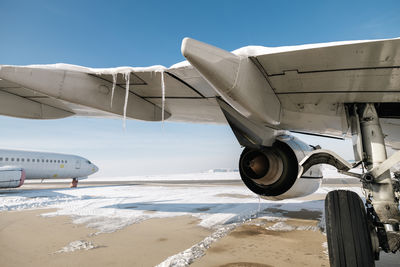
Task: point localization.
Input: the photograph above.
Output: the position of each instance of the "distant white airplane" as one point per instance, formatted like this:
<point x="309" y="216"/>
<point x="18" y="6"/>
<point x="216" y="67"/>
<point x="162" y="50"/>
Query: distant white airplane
<point x="18" y="165"/>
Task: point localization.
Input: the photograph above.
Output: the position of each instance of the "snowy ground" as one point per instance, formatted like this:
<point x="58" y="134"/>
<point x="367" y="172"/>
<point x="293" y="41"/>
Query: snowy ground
<point x="108" y="208"/>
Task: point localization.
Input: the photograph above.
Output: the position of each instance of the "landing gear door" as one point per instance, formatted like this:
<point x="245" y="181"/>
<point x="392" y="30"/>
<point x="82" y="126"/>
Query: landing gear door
<point x="78" y="164"/>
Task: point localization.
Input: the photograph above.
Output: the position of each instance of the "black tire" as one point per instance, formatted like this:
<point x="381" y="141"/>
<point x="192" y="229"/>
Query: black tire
<point x="349" y="240"/>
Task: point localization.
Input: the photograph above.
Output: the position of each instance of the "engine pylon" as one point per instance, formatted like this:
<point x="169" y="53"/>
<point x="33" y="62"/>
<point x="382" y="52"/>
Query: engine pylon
<point x="236" y="79"/>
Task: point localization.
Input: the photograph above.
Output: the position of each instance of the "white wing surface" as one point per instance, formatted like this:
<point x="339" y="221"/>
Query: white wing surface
<point x="73" y="90"/>
<point x="311" y="82"/>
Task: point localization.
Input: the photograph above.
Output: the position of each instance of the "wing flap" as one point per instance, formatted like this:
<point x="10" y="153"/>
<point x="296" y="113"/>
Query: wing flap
<point x="363" y="80"/>
<point x="198" y="110"/>
<point x="148" y="84"/>
<point x="358" y="55"/>
<point x="22" y="107"/>
<point x="193" y="79"/>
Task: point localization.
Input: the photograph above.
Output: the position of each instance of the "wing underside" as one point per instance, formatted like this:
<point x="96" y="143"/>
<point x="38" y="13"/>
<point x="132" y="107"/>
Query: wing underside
<point x="312" y="83"/>
<point x="359" y="72"/>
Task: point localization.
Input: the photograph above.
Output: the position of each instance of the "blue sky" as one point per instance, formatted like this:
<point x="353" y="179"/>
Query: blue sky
<point x="144" y="33"/>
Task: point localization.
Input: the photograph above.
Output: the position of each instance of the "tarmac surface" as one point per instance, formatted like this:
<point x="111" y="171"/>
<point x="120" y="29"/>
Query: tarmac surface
<point x="241" y="247"/>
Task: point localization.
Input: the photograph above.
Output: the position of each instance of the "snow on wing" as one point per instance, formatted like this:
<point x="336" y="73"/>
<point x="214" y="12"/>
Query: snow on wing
<point x="309" y="81"/>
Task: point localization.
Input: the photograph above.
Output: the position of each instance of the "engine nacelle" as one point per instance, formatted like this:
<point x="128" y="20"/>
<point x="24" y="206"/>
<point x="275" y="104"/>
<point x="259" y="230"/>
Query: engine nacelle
<point x="272" y="172"/>
<point x="11" y="177"/>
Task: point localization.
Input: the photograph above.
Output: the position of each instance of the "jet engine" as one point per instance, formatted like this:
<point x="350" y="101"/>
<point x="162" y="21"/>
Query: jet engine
<point x="11" y="177"/>
<point x="272" y="172"/>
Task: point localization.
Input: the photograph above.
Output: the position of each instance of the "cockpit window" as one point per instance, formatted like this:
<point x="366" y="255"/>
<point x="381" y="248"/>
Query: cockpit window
<point x="88" y="162"/>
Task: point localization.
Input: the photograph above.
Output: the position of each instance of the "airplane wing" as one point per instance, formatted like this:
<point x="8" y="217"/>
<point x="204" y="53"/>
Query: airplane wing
<point x="19" y="101"/>
<point x="320" y="79"/>
<point x="310" y="85"/>
<point x="61" y="90"/>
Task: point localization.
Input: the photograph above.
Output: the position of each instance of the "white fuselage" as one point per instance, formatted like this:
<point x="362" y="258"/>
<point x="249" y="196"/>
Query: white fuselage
<point x="44" y="165"/>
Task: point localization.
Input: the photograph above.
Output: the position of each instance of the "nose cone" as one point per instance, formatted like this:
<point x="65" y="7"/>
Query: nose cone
<point x="95" y="168"/>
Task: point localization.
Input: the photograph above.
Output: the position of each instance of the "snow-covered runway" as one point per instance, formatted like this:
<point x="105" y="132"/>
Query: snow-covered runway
<point x="109" y="208"/>
<point x="219" y="207"/>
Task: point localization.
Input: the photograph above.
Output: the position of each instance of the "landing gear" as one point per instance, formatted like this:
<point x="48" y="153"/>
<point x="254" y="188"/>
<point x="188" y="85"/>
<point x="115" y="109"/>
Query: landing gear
<point x="382" y="204"/>
<point x="349" y="241"/>
<point x="74" y="183"/>
<point x="352" y="232"/>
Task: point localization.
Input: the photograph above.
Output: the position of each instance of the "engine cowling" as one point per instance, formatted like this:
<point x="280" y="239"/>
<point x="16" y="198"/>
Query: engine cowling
<point x="11" y="177"/>
<point x="272" y="172"/>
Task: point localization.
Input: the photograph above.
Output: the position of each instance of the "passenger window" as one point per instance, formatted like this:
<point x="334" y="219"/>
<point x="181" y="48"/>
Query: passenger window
<point x="22" y="160"/>
<point x="1" y="159"/>
<point x="28" y="160"/>
<point x="66" y="161"/>
<point x="58" y="161"/>
<point x="47" y="160"/>
<point x="17" y="159"/>
<point x="6" y="159"/>
<point x="12" y="159"/>
<point x="33" y="160"/>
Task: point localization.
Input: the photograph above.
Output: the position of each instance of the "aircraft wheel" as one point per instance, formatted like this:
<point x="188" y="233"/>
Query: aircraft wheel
<point x="349" y="240"/>
<point x="74" y="183"/>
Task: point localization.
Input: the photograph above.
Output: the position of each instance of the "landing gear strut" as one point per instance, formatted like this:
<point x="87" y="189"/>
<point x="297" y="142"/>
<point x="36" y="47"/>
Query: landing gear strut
<point x="74" y="183"/>
<point x="382" y="204"/>
<point x="355" y="235"/>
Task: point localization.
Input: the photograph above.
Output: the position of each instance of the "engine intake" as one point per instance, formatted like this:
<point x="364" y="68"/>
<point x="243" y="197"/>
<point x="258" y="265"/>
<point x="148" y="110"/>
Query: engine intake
<point x="272" y="172"/>
<point x="11" y="177"/>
